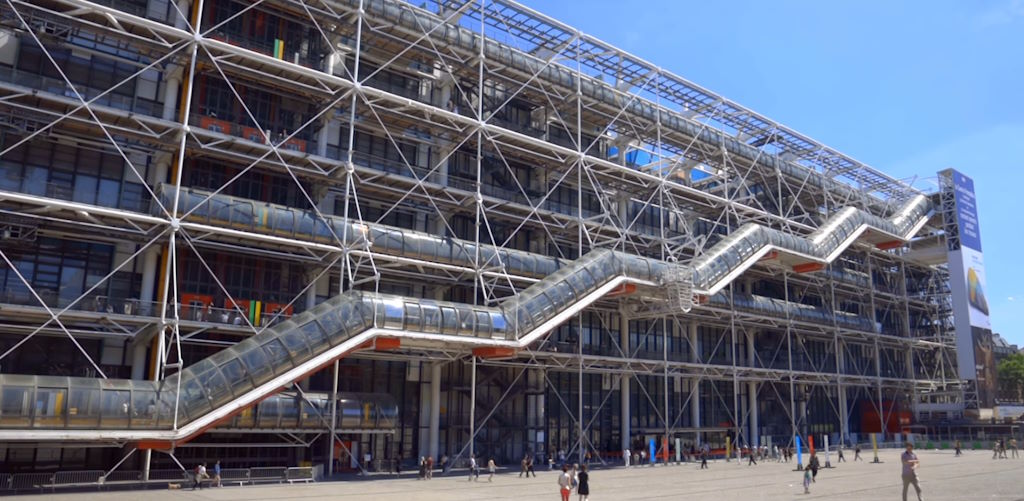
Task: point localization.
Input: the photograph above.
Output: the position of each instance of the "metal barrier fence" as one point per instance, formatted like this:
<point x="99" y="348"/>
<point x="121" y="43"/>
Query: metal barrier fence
<point x="99" y="478"/>
<point x="21" y="481"/>
<point x="299" y="474"/>
<point x="78" y="478"/>
<point x="272" y="474"/>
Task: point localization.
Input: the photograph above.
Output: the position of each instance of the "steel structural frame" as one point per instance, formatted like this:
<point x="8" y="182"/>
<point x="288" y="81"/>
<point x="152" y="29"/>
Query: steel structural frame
<point x="180" y="46"/>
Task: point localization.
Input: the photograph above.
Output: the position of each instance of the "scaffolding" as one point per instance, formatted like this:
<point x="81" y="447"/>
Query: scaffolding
<point x="753" y="282"/>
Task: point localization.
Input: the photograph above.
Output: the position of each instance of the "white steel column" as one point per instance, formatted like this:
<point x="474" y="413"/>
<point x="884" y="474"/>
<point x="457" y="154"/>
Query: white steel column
<point x="334" y="420"/>
<point x="472" y="409"/>
<point x="624" y="413"/>
<point x="435" y="410"/>
<point x="752" y="391"/>
<point x="695" y="382"/>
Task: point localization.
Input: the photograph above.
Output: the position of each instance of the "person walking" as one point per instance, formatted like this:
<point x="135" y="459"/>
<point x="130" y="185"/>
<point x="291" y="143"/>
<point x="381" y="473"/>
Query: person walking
<point x="625" y="457"/>
<point x="473" y="468"/>
<point x="1013" y="448"/>
<point x="704" y="457"/>
<point x="529" y="467"/>
<point x="813" y="465"/>
<point x="750" y="458"/>
<point x="842" y="459"/>
<point x="522" y="467"/>
<point x="423" y="468"/>
<point x="490" y="469"/>
<point x="958" y="452"/>
<point x="430" y="467"/>
<point x="807" y="481"/>
<point x="197" y="477"/>
<point x="216" y="474"/>
<point x="444" y="463"/>
<point x="995" y="450"/>
<point x="856" y="453"/>
<point x="584" y="484"/>
<point x="910" y="464"/>
<point x="565" y="483"/>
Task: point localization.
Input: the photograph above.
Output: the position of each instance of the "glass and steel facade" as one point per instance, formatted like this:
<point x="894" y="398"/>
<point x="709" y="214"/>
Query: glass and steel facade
<point x="517" y="232"/>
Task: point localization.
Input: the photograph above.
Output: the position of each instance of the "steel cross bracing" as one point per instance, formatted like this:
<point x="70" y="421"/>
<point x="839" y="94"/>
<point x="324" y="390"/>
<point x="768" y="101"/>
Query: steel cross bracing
<point x="740" y="190"/>
<point x="534" y="33"/>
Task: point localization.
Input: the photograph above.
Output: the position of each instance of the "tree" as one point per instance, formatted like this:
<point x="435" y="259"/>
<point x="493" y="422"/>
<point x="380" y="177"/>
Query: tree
<point x="1011" y="374"/>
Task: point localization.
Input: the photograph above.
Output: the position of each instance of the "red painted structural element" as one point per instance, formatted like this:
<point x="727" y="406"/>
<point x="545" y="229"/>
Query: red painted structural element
<point x="387" y="343"/>
<point x="808" y="267"/>
<point x="894" y="244"/>
<point x="494" y="352"/>
<point x="622" y="290"/>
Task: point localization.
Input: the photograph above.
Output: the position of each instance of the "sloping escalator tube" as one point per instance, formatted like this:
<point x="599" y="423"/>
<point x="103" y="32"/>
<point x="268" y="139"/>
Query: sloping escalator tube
<point x="250" y="365"/>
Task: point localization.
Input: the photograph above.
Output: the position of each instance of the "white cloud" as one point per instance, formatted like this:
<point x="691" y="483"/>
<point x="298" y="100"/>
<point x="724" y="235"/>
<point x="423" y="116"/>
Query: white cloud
<point x="1011" y="298"/>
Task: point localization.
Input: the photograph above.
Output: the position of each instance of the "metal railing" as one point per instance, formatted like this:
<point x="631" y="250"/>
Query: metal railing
<point x="136" y="307"/>
<point x="99" y="479"/>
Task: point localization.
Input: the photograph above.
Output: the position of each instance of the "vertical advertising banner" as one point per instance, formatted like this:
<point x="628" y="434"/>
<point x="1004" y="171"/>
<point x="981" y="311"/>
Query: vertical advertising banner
<point x="970" y="306"/>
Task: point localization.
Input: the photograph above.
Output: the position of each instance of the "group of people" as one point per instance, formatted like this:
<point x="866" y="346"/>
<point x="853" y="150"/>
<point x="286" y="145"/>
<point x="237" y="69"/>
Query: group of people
<point x="199" y="474"/>
<point x="575" y="479"/>
<point x="1000" y="446"/>
<point x="474" y="469"/>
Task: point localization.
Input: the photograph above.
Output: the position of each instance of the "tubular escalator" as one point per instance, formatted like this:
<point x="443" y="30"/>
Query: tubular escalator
<point x="216" y="388"/>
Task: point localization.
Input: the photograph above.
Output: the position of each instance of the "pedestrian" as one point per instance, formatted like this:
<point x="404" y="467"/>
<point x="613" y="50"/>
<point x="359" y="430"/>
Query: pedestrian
<point x="958" y="452"/>
<point x="750" y="458"/>
<point x="1013" y="448"/>
<point x="704" y="457"/>
<point x="910" y="464"/>
<point x="813" y="465"/>
<point x="574" y="475"/>
<point x="856" y="453"/>
<point x="490" y="469"/>
<point x="807" y="481"/>
<point x="584" y="484"/>
<point x="995" y="450"/>
<point x="529" y="467"/>
<point x="842" y="459"/>
<point x="776" y="454"/>
<point x="423" y="468"/>
<point x="564" y="483"/>
<point x="216" y="474"/>
<point x="197" y="478"/>
<point x="430" y="467"/>
<point x="522" y="468"/>
<point x="474" y="469"/>
<point x="625" y="457"/>
<point x="444" y="463"/>
<point x="561" y="457"/>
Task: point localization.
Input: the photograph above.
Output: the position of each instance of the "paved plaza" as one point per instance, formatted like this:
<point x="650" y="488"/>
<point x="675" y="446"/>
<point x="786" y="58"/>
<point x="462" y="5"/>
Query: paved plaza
<point x="975" y="476"/>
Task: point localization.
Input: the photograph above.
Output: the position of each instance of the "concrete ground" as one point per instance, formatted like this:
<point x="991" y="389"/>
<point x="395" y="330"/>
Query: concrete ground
<point x="975" y="476"/>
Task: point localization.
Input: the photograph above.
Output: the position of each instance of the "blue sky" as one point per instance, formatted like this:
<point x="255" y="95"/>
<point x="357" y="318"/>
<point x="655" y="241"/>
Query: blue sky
<point x="907" y="87"/>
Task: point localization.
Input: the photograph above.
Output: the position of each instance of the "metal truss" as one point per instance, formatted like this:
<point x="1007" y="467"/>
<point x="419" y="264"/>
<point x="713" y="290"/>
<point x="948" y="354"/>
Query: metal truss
<point x="463" y="161"/>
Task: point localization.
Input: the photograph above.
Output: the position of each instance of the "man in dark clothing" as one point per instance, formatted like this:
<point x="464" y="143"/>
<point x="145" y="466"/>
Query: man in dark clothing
<point x="856" y="453"/>
<point x="814" y="465"/>
<point x="703" y="459"/>
<point x="522" y="468"/>
<point x="842" y="459"/>
<point x="750" y="457"/>
<point x="529" y="467"/>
